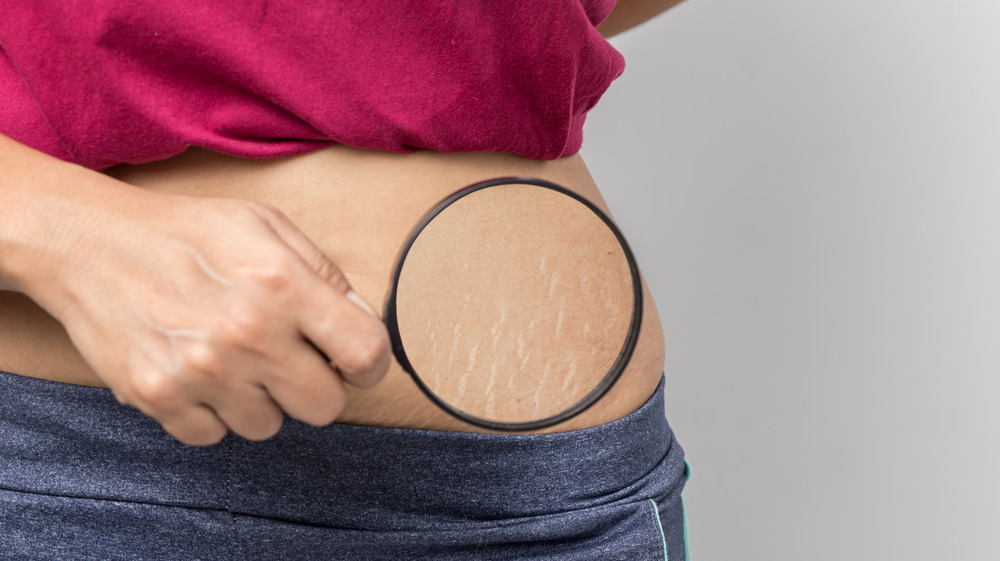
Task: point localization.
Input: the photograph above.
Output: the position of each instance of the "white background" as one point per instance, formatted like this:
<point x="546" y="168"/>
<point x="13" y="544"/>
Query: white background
<point x="813" y="192"/>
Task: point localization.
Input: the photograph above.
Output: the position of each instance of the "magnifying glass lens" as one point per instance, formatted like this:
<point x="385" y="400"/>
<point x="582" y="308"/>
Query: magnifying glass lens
<point x="514" y="303"/>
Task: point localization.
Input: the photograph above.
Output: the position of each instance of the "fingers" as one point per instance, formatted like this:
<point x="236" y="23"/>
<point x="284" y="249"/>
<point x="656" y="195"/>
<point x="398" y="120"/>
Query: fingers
<point x="200" y="414"/>
<point x="252" y="365"/>
<point x="258" y="367"/>
<point x="199" y="408"/>
<point x="362" y="353"/>
<point x="164" y="399"/>
<point x="248" y="410"/>
<point x="315" y="394"/>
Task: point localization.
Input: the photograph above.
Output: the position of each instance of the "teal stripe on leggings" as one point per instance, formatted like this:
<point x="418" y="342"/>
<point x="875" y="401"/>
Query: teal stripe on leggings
<point x="659" y="525"/>
<point x="687" y="544"/>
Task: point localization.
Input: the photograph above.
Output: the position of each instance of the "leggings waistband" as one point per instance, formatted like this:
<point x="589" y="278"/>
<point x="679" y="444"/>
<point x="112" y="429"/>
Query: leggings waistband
<point x="76" y="441"/>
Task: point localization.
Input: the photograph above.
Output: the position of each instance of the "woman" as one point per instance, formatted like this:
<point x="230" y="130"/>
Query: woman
<point x="203" y="297"/>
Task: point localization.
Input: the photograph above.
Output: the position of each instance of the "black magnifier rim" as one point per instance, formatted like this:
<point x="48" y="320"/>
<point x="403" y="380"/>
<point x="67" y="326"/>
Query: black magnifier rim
<point x="392" y="323"/>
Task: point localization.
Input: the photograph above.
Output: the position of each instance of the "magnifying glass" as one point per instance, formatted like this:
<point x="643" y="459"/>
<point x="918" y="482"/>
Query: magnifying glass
<point x="515" y="304"/>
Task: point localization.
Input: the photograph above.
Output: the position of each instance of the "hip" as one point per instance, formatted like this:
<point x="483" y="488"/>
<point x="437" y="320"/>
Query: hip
<point x="358" y="207"/>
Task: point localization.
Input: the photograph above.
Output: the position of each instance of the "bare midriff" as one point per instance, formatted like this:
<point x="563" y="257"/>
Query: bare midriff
<point x="358" y="207"/>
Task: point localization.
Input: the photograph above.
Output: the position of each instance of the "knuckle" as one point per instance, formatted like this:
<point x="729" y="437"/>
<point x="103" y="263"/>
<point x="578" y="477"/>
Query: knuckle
<point x="242" y="329"/>
<point x="153" y="391"/>
<point x="202" y="359"/>
<point x="276" y="277"/>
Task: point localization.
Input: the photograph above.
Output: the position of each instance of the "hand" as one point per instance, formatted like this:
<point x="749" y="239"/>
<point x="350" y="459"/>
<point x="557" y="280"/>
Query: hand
<point x="206" y="314"/>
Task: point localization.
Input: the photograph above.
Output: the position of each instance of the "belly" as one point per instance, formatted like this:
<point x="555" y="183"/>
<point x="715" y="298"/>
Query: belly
<point x="358" y="207"/>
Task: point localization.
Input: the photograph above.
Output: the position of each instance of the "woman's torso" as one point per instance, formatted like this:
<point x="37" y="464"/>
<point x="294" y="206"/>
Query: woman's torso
<point x="358" y="207"/>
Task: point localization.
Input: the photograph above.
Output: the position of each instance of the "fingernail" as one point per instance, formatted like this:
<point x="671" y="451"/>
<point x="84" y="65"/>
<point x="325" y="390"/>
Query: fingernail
<point x="357" y="299"/>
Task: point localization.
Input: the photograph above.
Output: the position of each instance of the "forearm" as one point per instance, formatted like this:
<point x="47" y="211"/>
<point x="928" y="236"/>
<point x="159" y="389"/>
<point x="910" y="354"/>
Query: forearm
<point x="34" y="188"/>
<point x="630" y="13"/>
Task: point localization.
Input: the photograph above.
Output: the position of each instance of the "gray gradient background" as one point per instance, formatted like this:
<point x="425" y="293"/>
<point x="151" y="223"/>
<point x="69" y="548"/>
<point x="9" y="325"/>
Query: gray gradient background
<point x="813" y="192"/>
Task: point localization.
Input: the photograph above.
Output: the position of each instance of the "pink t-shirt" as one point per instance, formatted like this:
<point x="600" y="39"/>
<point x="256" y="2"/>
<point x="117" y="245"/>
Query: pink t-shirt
<point x="100" y="82"/>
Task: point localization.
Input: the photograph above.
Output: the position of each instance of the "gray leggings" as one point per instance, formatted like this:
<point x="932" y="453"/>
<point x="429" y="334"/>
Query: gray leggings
<point x="82" y="477"/>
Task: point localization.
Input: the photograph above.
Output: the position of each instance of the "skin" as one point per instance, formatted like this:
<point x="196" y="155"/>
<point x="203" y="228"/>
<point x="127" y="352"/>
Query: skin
<point x="630" y="13"/>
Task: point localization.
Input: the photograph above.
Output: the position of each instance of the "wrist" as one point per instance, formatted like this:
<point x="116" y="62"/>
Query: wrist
<point x="44" y="206"/>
